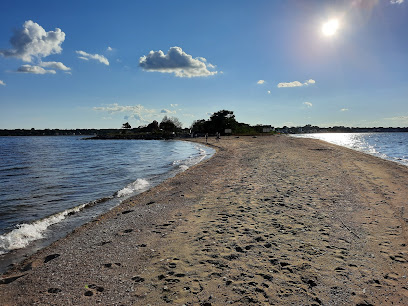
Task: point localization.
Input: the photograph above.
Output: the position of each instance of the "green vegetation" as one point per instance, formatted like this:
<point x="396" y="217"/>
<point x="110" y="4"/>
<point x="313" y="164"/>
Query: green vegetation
<point x="224" y="120"/>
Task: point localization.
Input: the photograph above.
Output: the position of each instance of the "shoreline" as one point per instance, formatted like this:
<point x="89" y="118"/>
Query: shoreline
<point x="61" y="223"/>
<point x="369" y="148"/>
<point x="266" y="220"/>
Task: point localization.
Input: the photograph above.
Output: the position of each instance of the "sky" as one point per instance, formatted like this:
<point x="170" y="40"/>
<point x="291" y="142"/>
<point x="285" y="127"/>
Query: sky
<point x="88" y="64"/>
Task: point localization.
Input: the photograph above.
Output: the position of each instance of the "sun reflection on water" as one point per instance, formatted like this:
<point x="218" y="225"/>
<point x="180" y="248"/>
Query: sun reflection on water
<point x="389" y="146"/>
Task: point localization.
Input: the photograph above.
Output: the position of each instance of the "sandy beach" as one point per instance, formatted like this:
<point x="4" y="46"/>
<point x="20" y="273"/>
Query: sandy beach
<point x="267" y="220"/>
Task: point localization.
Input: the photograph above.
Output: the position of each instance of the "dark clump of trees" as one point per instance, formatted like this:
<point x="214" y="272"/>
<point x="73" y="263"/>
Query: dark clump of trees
<point x="222" y="122"/>
<point x="168" y="128"/>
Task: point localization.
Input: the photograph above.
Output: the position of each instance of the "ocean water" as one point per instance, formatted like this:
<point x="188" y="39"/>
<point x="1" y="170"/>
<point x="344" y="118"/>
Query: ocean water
<point x="50" y="185"/>
<point x="390" y="146"/>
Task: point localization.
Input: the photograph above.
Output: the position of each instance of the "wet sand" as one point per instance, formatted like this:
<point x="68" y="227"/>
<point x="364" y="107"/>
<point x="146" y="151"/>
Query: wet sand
<point x="267" y="220"/>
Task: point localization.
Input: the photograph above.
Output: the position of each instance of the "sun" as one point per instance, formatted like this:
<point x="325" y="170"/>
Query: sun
<point x="330" y="27"/>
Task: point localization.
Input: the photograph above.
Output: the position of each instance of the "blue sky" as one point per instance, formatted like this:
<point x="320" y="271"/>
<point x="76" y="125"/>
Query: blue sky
<point x="87" y="64"/>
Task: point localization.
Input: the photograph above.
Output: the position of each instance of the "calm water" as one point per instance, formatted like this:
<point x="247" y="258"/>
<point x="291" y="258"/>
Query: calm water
<point x="50" y="185"/>
<point x="390" y="146"/>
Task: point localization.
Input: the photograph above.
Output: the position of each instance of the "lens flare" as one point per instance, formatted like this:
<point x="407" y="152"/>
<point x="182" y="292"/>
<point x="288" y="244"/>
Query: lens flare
<point x="330" y="27"/>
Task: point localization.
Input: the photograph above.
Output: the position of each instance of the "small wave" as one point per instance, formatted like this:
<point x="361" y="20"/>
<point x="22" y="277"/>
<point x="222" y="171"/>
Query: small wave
<point x="139" y="184"/>
<point x="26" y="233"/>
<point x="183" y="167"/>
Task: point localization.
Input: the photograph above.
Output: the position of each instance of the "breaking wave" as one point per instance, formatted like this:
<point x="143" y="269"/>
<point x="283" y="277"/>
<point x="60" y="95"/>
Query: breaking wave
<point x="26" y="233"/>
<point x="138" y="185"/>
<point x="81" y="179"/>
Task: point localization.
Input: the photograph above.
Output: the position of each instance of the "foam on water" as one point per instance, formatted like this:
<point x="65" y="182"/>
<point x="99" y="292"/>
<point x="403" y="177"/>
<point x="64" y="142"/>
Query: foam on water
<point x="183" y="165"/>
<point x="26" y="233"/>
<point x="138" y="185"/>
<point x="97" y="177"/>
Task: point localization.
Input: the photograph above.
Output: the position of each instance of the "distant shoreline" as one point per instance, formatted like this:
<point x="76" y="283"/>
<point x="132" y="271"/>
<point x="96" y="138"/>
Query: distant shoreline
<point x="133" y="134"/>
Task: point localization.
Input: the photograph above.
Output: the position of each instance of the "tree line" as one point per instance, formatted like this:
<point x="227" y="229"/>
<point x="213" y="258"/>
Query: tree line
<point x="222" y="122"/>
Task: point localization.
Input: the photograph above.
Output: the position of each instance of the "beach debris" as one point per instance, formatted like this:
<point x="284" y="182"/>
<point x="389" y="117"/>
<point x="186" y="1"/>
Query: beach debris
<point x="348" y="228"/>
<point x="127" y="211"/>
<point x="51" y="257"/>
<point x="9" y="280"/>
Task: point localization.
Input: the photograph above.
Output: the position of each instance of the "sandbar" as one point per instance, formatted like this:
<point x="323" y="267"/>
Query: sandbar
<point x="267" y="220"/>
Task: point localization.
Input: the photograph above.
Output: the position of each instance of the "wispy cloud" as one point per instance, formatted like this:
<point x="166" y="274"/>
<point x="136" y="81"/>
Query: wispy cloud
<point x="308" y="104"/>
<point x="33" y="42"/>
<point x="296" y="84"/>
<point x="138" y="112"/>
<point x="260" y="82"/>
<point x="55" y="65"/>
<point x="167" y="111"/>
<point x="87" y="56"/>
<point x="397" y="1"/>
<point x="109" y="49"/>
<point x="401" y="119"/>
<point x="344" y="110"/>
<point x="269" y="92"/>
<point x="176" y="61"/>
<point x="34" y="70"/>
<point x="2" y="83"/>
<point x="173" y="105"/>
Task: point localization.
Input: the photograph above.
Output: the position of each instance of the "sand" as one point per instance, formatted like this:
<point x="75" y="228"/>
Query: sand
<point x="267" y="220"/>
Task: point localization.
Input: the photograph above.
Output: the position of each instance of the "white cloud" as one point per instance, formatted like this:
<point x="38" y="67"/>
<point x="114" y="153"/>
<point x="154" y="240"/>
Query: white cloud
<point x="397" y="1"/>
<point x="34" y="70"/>
<point x="116" y="108"/>
<point x="166" y="111"/>
<point x="138" y="112"/>
<point x="173" y="105"/>
<point x="296" y="84"/>
<point x="176" y="61"/>
<point x="344" y="110"/>
<point x="291" y="84"/>
<point x="2" y="83"/>
<point x="109" y="49"/>
<point x="260" y="82"/>
<point x="269" y="92"/>
<point x="55" y="65"/>
<point x="308" y="104"/>
<point x="32" y="41"/>
<point x="97" y="57"/>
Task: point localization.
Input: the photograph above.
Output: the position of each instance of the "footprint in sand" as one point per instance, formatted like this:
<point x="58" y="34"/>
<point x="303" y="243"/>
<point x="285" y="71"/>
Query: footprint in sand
<point x="93" y="289"/>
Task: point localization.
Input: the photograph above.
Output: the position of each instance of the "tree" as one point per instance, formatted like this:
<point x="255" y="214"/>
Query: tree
<point x="126" y="126"/>
<point x="152" y="127"/>
<point x="170" y="125"/>
<point x="199" y="126"/>
<point x="218" y="122"/>
<point x="221" y="120"/>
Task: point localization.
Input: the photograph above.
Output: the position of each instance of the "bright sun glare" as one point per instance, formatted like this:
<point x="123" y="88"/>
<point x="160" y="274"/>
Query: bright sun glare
<point x="330" y="27"/>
